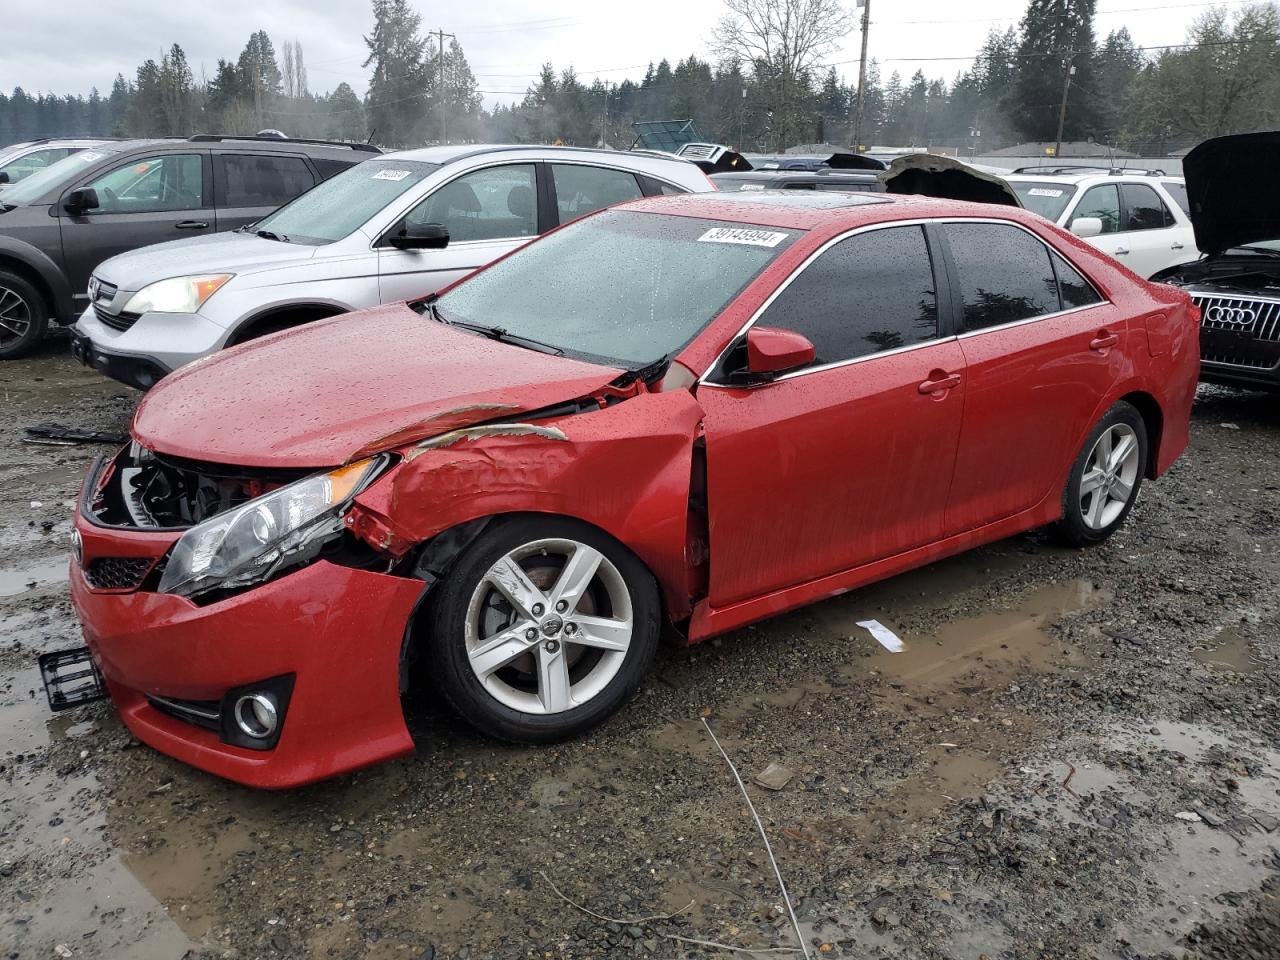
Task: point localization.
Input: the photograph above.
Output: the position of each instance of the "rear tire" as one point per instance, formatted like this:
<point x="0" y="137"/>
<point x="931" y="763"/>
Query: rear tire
<point x="544" y="627"/>
<point x="1105" y="479"/>
<point x="24" y="318"/>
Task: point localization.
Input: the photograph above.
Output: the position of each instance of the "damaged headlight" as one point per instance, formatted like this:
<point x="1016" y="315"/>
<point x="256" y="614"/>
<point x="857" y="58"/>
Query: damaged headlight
<point x="177" y="294"/>
<point x="258" y="539"/>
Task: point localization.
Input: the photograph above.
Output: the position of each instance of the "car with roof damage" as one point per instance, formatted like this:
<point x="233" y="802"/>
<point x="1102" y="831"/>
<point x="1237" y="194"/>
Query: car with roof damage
<point x="676" y="416"/>
<point x="1236" y="281"/>
<point x="400" y="226"/>
<point x="58" y="224"/>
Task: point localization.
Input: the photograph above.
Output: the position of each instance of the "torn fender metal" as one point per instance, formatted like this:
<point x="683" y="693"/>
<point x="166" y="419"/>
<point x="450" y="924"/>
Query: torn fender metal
<point x="931" y="175"/>
<point x="624" y="468"/>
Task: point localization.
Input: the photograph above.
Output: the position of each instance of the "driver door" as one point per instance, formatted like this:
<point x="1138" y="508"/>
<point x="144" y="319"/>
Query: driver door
<point x="488" y="212"/>
<point x="143" y="201"/>
<point x="849" y="460"/>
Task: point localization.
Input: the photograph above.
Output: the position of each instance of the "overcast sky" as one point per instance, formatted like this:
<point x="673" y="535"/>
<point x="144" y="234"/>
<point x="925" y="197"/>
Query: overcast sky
<point x="68" y="46"/>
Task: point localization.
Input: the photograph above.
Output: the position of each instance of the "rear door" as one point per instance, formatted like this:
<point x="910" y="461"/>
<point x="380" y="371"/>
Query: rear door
<point x="850" y="460"/>
<point x="1154" y="235"/>
<point x="580" y="188"/>
<point x="1041" y="348"/>
<point x="141" y="201"/>
<point x="248" y="186"/>
<point x="488" y="212"/>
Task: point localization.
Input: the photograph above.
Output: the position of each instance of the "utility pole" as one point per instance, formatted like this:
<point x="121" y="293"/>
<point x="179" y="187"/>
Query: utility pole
<point x="441" y="35"/>
<point x="1068" y="71"/>
<point x="604" y="115"/>
<point x="862" y="76"/>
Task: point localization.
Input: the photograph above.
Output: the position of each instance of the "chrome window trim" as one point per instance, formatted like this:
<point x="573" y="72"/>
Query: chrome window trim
<point x="867" y="228"/>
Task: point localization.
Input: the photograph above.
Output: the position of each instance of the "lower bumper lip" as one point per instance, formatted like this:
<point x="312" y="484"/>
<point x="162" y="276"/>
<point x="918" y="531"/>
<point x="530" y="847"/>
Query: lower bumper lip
<point x="339" y="631"/>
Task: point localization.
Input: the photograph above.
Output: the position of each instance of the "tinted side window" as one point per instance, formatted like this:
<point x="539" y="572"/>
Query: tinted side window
<point x="581" y="190"/>
<point x="1102" y="202"/>
<point x="153" y="184"/>
<point x="23" y="167"/>
<point x="1143" y="208"/>
<point x="1179" y="193"/>
<point x="1074" y="289"/>
<point x="1004" y="273"/>
<point x="495" y="203"/>
<point x="327" y="168"/>
<point x="248" y="180"/>
<point x="872" y="292"/>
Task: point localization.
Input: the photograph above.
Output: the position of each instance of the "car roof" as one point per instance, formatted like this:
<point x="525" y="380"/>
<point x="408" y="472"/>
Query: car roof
<point x="352" y="151"/>
<point x="452" y="153"/>
<point x="1078" y="178"/>
<point x="824" y="175"/>
<point x="816" y="210"/>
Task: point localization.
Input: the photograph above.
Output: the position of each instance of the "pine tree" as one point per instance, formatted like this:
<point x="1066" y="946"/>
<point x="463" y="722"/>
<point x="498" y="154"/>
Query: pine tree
<point x="397" y="90"/>
<point x="1057" y="35"/>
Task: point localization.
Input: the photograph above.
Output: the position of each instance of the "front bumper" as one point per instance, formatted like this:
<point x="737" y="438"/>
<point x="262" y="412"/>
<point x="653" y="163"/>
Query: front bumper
<point x="156" y="343"/>
<point x="338" y="631"/>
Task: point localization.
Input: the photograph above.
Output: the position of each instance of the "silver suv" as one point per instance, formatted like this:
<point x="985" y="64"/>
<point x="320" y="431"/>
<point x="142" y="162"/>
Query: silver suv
<point x="396" y="227"/>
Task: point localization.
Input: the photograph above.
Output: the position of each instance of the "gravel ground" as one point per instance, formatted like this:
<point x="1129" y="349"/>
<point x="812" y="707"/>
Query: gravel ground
<point x="1077" y="755"/>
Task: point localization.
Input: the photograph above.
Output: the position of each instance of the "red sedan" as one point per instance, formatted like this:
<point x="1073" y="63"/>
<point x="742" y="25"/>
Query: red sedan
<point x="680" y="415"/>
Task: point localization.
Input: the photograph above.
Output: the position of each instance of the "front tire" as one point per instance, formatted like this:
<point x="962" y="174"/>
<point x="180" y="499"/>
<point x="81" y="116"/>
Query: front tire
<point x="1105" y="479"/>
<point x="543" y="629"/>
<point x="23" y="316"/>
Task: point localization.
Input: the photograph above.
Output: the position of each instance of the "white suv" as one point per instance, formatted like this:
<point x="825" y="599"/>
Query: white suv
<point x="396" y="227"/>
<point x="1139" y="219"/>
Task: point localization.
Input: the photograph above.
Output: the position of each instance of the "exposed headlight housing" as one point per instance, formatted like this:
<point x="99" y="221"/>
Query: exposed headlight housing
<point x="177" y="294"/>
<point x="258" y="539"/>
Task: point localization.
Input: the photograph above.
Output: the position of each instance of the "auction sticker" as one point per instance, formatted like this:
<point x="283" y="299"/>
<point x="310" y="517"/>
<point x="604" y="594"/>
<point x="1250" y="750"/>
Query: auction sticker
<point x="390" y="175"/>
<point x="752" y="238"/>
<point x="1044" y="192"/>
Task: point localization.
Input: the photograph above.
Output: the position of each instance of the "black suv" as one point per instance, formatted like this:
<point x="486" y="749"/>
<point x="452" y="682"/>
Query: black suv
<point x="58" y="224"/>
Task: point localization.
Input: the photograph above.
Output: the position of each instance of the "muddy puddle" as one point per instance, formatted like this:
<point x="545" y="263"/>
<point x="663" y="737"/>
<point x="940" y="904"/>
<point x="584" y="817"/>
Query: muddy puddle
<point x="38" y="574"/>
<point x="1228" y="651"/>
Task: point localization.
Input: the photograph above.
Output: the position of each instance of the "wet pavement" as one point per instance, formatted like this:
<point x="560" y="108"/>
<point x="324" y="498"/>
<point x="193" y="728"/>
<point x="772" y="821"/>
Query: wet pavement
<point x="1076" y="754"/>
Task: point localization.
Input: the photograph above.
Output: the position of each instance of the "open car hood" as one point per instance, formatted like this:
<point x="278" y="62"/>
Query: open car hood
<point x="1232" y="191"/>
<point x="931" y="175"/>
<point x="348" y="387"/>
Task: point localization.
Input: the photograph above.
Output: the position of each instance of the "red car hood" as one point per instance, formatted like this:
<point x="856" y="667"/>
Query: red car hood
<point x="320" y="395"/>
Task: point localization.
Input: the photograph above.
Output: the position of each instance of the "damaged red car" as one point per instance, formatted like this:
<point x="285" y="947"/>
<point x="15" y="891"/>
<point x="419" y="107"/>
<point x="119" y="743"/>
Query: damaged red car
<point x="673" y="417"/>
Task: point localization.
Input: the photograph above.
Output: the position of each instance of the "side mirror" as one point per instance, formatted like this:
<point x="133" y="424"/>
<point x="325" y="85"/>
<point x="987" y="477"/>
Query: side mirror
<point x="1085" y="227"/>
<point x="771" y="351"/>
<point x="78" y="201"/>
<point x="420" y="236"/>
<point x="4" y="176"/>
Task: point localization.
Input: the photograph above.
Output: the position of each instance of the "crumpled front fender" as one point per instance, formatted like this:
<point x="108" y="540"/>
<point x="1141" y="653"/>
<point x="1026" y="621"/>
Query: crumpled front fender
<point x="624" y="468"/>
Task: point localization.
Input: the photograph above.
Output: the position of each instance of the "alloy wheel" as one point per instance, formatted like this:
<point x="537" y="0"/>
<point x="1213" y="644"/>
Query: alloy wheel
<point x="548" y="626"/>
<point x="15" y="316"/>
<point x="1110" y="475"/>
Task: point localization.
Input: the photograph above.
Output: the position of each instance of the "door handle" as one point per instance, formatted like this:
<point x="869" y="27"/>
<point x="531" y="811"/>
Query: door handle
<point x="1121" y="251"/>
<point x="1175" y="245"/>
<point x="939" y="383"/>
<point x="1104" y="340"/>
<point x="191" y="225"/>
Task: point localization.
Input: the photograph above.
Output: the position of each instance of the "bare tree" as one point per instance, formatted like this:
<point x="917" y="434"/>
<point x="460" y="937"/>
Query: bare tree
<point x="293" y="70"/>
<point x="783" y="40"/>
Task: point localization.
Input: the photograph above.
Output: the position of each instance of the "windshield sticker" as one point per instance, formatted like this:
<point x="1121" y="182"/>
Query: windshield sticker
<point x="752" y="238"/>
<point x="1044" y="192"/>
<point x="88" y="156"/>
<point x="396" y="175"/>
<point x="752" y="186"/>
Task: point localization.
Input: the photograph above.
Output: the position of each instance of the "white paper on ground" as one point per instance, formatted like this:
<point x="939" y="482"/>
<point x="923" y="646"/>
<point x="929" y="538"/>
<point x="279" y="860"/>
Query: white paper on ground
<point x="888" y="639"/>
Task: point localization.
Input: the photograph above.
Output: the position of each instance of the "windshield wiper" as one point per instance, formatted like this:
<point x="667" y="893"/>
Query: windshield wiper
<point x="268" y="235"/>
<point x="648" y="373"/>
<point x="1269" y="251"/>
<point x="501" y="334"/>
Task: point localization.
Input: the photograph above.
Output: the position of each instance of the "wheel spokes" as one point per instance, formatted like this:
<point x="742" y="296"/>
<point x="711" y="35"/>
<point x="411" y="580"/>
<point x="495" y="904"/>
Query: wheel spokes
<point x="1093" y="513"/>
<point x="1091" y="482"/>
<point x="553" y="679"/>
<point x="574" y="579"/>
<point x="602" y="633"/>
<point x="1121" y="491"/>
<point x="497" y="651"/>
<point x="1126" y="448"/>
<point x="514" y="584"/>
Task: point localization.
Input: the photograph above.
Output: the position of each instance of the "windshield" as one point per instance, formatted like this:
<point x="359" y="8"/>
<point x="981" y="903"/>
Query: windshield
<point x="1046" y="199"/>
<point x="56" y="175"/>
<point x="1267" y="247"/>
<point x="622" y="287"/>
<point x="342" y="204"/>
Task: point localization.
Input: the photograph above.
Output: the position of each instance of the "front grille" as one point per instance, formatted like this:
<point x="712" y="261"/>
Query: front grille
<point x="200" y="713"/>
<point x="116" y="321"/>
<point x="117" y="573"/>
<point x="1259" y="319"/>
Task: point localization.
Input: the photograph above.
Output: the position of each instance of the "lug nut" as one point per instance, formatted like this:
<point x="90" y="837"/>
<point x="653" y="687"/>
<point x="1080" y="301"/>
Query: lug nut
<point x="562" y="606"/>
<point x="537" y="609"/>
<point x="570" y="628"/>
<point x="531" y="634"/>
<point x="552" y="646"/>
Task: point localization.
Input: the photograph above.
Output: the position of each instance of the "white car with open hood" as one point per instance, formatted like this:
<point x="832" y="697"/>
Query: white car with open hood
<point x="396" y="227"/>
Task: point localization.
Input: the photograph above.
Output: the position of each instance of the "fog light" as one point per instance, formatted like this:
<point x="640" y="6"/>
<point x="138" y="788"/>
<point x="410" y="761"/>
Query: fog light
<point x="256" y="716"/>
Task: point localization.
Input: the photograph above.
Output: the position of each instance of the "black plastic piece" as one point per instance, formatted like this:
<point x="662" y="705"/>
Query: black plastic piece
<point x="71" y="678"/>
<point x="218" y="138"/>
<point x="281" y="689"/>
